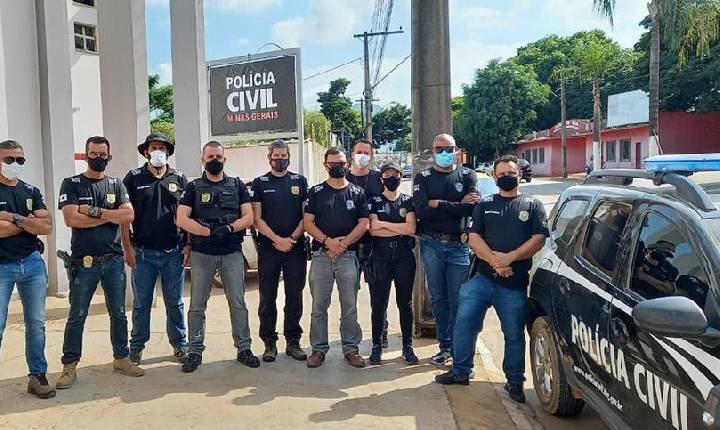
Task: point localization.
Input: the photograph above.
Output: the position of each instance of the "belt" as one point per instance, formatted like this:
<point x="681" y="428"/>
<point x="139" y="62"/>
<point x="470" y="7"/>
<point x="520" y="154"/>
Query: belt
<point x="90" y="260"/>
<point x="444" y="237"/>
<point x="397" y="243"/>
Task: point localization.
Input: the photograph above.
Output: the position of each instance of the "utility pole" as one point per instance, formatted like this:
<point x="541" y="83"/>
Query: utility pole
<point x="563" y="115"/>
<point x="368" y="93"/>
<point x="362" y="110"/>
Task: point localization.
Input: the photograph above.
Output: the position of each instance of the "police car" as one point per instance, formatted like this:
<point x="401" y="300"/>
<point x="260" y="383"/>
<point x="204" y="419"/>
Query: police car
<point x="624" y="307"/>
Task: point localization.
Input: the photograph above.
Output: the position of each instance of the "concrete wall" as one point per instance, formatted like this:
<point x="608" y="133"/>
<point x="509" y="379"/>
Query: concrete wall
<point x="682" y="132"/>
<point x="249" y="162"/>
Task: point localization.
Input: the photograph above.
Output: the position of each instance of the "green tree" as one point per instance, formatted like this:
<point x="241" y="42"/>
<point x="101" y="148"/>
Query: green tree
<point x="391" y="124"/>
<point x="338" y="108"/>
<point x="593" y="60"/>
<point x="161" y="100"/>
<point x="317" y="127"/>
<point x="163" y="127"/>
<point x="499" y="106"/>
<point x="404" y="144"/>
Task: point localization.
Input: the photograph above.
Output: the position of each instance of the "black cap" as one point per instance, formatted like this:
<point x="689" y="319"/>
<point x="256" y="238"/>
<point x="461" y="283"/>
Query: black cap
<point x="390" y="165"/>
<point x="156" y="137"/>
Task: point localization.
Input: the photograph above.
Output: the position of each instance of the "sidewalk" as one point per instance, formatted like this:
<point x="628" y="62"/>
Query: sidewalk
<point x="225" y="394"/>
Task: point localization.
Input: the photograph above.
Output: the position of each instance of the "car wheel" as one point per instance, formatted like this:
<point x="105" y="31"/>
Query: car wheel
<point x="551" y="386"/>
<point x="528" y="180"/>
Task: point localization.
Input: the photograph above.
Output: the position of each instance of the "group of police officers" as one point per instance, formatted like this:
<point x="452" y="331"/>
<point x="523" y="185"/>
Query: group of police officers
<point x="358" y="222"/>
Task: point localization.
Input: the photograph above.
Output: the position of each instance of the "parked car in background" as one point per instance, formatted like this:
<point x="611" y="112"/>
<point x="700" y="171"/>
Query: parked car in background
<point x="525" y="169"/>
<point x="407" y="171"/>
<point x="485" y="168"/>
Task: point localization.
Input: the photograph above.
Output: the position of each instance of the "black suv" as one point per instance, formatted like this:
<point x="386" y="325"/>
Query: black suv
<point x="525" y="170"/>
<point x="623" y="311"/>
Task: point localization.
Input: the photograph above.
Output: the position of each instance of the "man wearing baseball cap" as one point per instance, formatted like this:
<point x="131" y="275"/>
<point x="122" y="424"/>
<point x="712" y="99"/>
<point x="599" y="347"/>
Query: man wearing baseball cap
<point x="155" y="246"/>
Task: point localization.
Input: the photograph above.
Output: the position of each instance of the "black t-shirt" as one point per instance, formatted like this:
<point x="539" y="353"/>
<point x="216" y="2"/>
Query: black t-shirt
<point x="155" y="201"/>
<point x="230" y="243"/>
<point x="22" y="199"/>
<point x="337" y="211"/>
<point x="505" y="223"/>
<point x="105" y="193"/>
<point x="373" y="187"/>
<point x="282" y="201"/>
<point x="391" y="211"/>
<point x="451" y="187"/>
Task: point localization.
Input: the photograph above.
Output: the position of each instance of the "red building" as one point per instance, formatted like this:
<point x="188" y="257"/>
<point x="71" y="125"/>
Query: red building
<point x="622" y="147"/>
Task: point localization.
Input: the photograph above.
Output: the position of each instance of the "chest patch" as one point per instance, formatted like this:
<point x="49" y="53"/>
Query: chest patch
<point x="350" y="205"/>
<point x="524" y="216"/>
<point x="459" y="187"/>
<point x="173" y="187"/>
<point x="295" y="189"/>
<point x="205" y="198"/>
<point x="29" y="204"/>
<point x="403" y="212"/>
<point x="110" y="197"/>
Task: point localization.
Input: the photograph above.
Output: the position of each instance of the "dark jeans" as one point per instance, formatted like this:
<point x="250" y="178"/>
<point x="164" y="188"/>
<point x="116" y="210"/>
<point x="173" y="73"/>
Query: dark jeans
<point x="111" y="275"/>
<point x="169" y="265"/>
<point x="446" y="267"/>
<point x="476" y="296"/>
<point x="388" y="265"/>
<point x="293" y="265"/>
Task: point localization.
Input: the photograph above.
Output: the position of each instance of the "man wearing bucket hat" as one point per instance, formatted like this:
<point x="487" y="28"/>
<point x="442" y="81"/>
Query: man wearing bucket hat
<point x="155" y="246"/>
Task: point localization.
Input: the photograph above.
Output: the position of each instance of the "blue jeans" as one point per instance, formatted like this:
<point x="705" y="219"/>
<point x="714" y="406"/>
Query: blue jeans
<point x="30" y="276"/>
<point x="111" y="274"/>
<point x="169" y="265"/>
<point x="446" y="267"/>
<point x="476" y="296"/>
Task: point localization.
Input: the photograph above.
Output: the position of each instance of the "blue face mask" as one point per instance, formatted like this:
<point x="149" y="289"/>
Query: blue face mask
<point x="445" y="159"/>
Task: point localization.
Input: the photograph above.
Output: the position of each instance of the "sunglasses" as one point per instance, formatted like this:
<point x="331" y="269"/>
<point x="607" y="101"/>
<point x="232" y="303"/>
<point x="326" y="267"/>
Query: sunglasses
<point x="10" y="160"/>
<point x="447" y="150"/>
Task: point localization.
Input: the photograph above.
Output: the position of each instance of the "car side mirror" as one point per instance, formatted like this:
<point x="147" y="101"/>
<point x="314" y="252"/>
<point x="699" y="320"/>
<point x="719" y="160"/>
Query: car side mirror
<point x="675" y="316"/>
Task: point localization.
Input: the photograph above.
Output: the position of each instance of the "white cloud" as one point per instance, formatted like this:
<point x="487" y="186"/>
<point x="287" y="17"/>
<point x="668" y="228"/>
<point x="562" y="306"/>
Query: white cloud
<point x="165" y="72"/>
<point x="328" y="22"/>
<point x="476" y="17"/>
<point x="469" y="55"/>
<point x="246" y="6"/>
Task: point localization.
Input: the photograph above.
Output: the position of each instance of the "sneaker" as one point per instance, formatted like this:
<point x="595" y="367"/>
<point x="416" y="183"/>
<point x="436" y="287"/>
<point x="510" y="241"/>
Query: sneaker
<point x="180" y="354"/>
<point x="247" y="358"/>
<point x="68" y="376"/>
<point x="516" y="392"/>
<point x="450" y="378"/>
<point x="385" y="343"/>
<point x="38" y="385"/>
<point x="192" y="362"/>
<point x="123" y="366"/>
<point x="408" y="355"/>
<point x="293" y="350"/>
<point x="135" y="357"/>
<point x="441" y="357"/>
<point x="376" y="355"/>
<point x="270" y="352"/>
<point x="316" y="359"/>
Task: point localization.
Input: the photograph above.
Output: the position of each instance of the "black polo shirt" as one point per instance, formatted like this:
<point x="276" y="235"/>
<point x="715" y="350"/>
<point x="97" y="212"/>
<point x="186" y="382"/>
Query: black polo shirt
<point x="451" y="187"/>
<point x="505" y="223"/>
<point x="337" y="211"/>
<point x="106" y="193"/>
<point x="22" y="199"/>
<point x="370" y="183"/>
<point x="282" y="201"/>
<point x="155" y="201"/>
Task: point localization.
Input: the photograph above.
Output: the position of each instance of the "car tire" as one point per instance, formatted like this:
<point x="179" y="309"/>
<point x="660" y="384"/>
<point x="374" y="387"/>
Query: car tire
<point x="528" y="180"/>
<point x="551" y="386"/>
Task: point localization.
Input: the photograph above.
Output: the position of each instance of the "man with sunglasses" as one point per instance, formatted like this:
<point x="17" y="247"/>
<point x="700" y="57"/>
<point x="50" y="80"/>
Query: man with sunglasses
<point x="157" y="246"/>
<point x="336" y="217"/>
<point x="94" y="206"/>
<point x="23" y="217"/>
<point x="445" y="195"/>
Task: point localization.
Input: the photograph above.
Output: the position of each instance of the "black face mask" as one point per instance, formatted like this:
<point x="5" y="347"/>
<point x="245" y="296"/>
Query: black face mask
<point x="280" y="164"/>
<point x="392" y="183"/>
<point x="338" y="172"/>
<point x="507" y="183"/>
<point x="214" y="166"/>
<point x="97" y="164"/>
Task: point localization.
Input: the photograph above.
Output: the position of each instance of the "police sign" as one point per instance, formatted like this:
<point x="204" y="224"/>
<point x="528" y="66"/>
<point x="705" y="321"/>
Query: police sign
<point x="255" y="95"/>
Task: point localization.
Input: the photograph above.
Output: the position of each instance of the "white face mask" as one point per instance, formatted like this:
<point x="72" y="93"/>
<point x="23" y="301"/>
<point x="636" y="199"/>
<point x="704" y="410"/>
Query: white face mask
<point x="158" y="158"/>
<point x="362" y="160"/>
<point x="11" y="171"/>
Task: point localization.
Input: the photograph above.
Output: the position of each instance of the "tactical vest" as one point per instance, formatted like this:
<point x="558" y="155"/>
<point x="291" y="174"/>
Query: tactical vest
<point x="217" y="204"/>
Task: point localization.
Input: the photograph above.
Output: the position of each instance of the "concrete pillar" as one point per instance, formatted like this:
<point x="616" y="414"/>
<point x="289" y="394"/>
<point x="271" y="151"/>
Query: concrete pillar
<point x="124" y="80"/>
<point x="56" y="124"/>
<point x="189" y="83"/>
<point x="3" y="82"/>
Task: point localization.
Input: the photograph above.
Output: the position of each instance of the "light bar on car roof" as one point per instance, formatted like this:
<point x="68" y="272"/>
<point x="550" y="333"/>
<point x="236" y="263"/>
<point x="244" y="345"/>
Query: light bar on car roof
<point x="683" y="163"/>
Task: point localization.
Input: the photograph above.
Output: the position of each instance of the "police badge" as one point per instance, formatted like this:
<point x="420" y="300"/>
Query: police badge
<point x="403" y="212"/>
<point x="524" y="216"/>
<point x="459" y="187"/>
<point x="87" y="261"/>
<point x="29" y="204"/>
<point x="205" y="198"/>
<point x="173" y="187"/>
<point x="350" y="205"/>
<point x="110" y="198"/>
<point x="295" y="189"/>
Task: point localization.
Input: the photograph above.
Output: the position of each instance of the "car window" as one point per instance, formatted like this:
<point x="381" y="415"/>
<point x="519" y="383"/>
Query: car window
<point x="604" y="234"/>
<point x="666" y="264"/>
<point x="568" y="219"/>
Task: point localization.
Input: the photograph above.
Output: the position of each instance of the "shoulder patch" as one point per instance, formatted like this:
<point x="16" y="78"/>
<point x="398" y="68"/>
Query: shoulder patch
<point x="29" y="187"/>
<point x="112" y="180"/>
<point x="318" y="188"/>
<point x="426" y="172"/>
<point x="355" y="189"/>
<point x="488" y="198"/>
<point x="264" y="178"/>
<point x="135" y="172"/>
<point x="377" y="199"/>
<point x="294" y="176"/>
<point x="75" y="179"/>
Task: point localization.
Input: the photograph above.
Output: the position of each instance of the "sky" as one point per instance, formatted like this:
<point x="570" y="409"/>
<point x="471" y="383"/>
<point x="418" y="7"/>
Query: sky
<point x="480" y="30"/>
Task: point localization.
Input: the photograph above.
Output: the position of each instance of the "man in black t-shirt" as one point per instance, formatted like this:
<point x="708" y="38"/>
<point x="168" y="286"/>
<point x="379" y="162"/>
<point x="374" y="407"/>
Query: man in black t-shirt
<point x="24" y="216"/>
<point x="336" y="217"/>
<point x="94" y="206"/>
<point x="444" y="196"/>
<point x="157" y="246"/>
<point x="215" y="210"/>
<point x="508" y="229"/>
<point x="279" y="198"/>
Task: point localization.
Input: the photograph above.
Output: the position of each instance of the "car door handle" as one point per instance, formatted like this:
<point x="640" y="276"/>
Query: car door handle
<point x="564" y="285"/>
<point x="620" y="331"/>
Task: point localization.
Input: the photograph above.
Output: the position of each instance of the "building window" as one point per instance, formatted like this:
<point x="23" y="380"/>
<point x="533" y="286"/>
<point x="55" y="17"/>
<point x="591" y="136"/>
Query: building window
<point x="625" y="150"/>
<point x="534" y="156"/>
<point x="85" y="37"/>
<point x="90" y="3"/>
<point x="610" y="151"/>
<point x="542" y="156"/>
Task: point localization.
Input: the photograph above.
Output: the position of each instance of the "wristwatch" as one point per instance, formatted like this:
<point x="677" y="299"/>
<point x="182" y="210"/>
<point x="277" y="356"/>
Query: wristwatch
<point x="94" y="212"/>
<point x="16" y="219"/>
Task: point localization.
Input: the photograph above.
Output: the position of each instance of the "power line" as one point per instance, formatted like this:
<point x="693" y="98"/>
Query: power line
<point x="383" y="41"/>
<point x="332" y="68"/>
<point x="391" y="70"/>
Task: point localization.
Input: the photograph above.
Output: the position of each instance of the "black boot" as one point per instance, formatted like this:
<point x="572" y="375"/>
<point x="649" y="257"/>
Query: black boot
<point x="294" y="350"/>
<point x="270" y="353"/>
